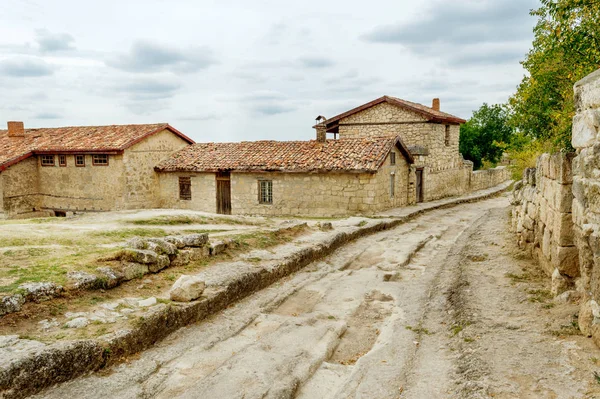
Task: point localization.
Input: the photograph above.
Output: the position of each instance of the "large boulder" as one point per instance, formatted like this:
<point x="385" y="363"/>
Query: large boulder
<point x="162" y="261"/>
<point x="162" y="246"/>
<point x="187" y="288"/>
<point x="177" y="241"/>
<point x="80" y="280"/>
<point x="139" y="256"/>
<point x="589" y="316"/>
<point x="39" y="292"/>
<point x="11" y="304"/>
<point x="195" y="240"/>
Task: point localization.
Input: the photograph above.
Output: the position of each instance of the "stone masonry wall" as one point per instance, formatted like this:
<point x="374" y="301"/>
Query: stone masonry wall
<point x="308" y="194"/>
<point x="21" y="189"/>
<point x="586" y="202"/>
<point x="543" y="221"/>
<point x="445" y="173"/>
<point x="482" y="179"/>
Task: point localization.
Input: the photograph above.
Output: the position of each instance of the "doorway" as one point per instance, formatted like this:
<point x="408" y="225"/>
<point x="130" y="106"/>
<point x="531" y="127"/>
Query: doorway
<point x="224" y="193"/>
<point x="419" y="184"/>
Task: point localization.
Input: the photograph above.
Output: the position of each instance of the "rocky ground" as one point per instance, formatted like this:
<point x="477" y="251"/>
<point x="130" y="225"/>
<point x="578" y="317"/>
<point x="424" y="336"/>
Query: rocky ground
<point x="443" y="306"/>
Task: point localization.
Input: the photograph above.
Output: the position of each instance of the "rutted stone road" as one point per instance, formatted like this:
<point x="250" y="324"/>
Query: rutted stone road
<point x="425" y="310"/>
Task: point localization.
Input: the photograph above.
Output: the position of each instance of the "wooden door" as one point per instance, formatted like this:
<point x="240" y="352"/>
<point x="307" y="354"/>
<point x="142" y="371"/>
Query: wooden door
<point x="224" y="193"/>
<point x="419" y="186"/>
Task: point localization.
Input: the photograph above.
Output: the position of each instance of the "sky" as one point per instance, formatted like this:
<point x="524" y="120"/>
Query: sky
<point x="234" y="70"/>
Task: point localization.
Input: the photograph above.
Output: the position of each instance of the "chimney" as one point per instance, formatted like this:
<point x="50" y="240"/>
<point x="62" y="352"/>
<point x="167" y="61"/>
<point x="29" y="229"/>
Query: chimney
<point x="436" y="104"/>
<point x="321" y="133"/>
<point x="16" y="129"/>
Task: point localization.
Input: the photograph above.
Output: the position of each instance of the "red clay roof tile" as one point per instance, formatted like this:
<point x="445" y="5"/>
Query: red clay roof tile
<point x="356" y="155"/>
<point x="76" y="139"/>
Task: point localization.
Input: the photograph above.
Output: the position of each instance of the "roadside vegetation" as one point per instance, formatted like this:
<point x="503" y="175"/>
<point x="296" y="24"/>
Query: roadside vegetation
<point x="538" y="116"/>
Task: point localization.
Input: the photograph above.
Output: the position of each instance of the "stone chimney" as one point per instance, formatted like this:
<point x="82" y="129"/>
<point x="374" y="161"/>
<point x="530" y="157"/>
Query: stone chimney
<point x="436" y="104"/>
<point x="321" y="133"/>
<point x="16" y="129"/>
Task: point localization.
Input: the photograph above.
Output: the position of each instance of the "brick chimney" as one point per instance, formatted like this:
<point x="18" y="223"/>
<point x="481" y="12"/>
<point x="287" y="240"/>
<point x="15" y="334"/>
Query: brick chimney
<point x="16" y="129"/>
<point x="436" y="104"/>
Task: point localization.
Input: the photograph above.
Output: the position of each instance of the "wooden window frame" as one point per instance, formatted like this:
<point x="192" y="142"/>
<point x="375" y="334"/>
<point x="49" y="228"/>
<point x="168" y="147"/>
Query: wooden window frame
<point x="99" y="155"/>
<point x="392" y="158"/>
<point x="62" y="158"/>
<point x="185" y="188"/>
<point x="447" y="136"/>
<point x="77" y="164"/>
<point x="47" y="157"/>
<point x="266" y="199"/>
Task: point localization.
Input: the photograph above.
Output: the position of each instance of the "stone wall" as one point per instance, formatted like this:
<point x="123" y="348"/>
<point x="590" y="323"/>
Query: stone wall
<point x="542" y="218"/>
<point x="20" y="189"/>
<point x="81" y="188"/>
<point x="127" y="182"/>
<point x="444" y="170"/>
<point x="303" y="194"/>
<point x="141" y="188"/>
<point x="586" y="202"/>
<point x="482" y="179"/>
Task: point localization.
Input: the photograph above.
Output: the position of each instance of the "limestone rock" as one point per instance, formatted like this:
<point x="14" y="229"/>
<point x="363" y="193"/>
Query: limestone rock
<point x="137" y="243"/>
<point x="178" y="242"/>
<point x="110" y="277"/>
<point x="78" y="322"/>
<point x="11" y="304"/>
<point x="147" y="302"/>
<point x="131" y="270"/>
<point x="82" y="280"/>
<point x="140" y="256"/>
<point x="585" y="129"/>
<point x="48" y="324"/>
<point x="182" y="258"/>
<point x="567" y="297"/>
<point x="566" y="260"/>
<point x="187" y="288"/>
<point x="559" y="283"/>
<point x="195" y="240"/>
<point x="162" y="261"/>
<point x="162" y="246"/>
<point x="39" y="292"/>
<point x="218" y="247"/>
<point x="199" y="253"/>
<point x="589" y="315"/>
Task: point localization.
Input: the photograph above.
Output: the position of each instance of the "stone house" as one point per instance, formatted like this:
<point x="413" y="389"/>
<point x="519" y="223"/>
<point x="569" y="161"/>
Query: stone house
<point x="431" y="136"/>
<point x="88" y="168"/>
<point x="312" y="178"/>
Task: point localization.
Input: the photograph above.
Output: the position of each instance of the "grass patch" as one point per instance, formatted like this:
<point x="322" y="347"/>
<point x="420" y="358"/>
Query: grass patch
<point x="130" y="233"/>
<point x="567" y="329"/>
<point x="458" y="327"/>
<point x="419" y="330"/>
<point x="262" y="240"/>
<point x="516" y="278"/>
<point x="539" y="296"/>
<point x="361" y="223"/>
<point x="186" y="219"/>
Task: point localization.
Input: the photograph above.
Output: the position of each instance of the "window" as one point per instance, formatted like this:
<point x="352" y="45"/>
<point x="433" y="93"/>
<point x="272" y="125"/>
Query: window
<point x="47" y="160"/>
<point x="62" y="160"/>
<point x="447" y="138"/>
<point x="79" y="160"/>
<point x="392" y="186"/>
<point x="392" y="158"/>
<point x="100" y="160"/>
<point x="185" y="188"/>
<point x="265" y="191"/>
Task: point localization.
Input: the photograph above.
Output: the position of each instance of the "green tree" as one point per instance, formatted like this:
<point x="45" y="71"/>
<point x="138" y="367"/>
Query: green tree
<point x="486" y="135"/>
<point x="565" y="49"/>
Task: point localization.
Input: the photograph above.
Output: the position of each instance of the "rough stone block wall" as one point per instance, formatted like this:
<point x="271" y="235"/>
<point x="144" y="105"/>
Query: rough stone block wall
<point x="20" y="191"/>
<point x="542" y="219"/>
<point x="482" y="179"/>
<point x="204" y="191"/>
<point x="586" y="201"/>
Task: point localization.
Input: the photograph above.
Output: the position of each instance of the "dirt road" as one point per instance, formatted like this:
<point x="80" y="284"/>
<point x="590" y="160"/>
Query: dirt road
<point x="444" y="306"/>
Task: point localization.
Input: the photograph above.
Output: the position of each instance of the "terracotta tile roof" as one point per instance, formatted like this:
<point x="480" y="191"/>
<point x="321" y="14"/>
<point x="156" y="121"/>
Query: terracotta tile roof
<point x="76" y="139"/>
<point x="428" y="112"/>
<point x="349" y="155"/>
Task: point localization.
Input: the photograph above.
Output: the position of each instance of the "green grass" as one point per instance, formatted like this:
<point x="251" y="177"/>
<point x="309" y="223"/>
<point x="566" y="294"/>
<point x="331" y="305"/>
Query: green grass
<point x="130" y="233"/>
<point x="419" y="330"/>
<point x="361" y="223"/>
<point x="539" y="296"/>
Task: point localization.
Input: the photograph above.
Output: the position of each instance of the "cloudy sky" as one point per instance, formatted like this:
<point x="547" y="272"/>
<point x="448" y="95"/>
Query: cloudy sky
<point x="233" y="70"/>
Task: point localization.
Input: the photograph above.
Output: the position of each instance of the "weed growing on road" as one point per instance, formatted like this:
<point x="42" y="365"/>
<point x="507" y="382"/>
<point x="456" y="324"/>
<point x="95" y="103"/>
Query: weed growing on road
<point x="185" y="219"/>
<point x="419" y="330"/>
